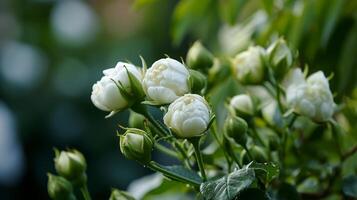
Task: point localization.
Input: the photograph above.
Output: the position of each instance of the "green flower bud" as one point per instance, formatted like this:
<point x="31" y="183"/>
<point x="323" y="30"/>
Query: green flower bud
<point x="120" y="195"/>
<point x="236" y="128"/>
<point x="59" y="188"/>
<point x="137" y="145"/>
<point x="280" y="57"/>
<point x="258" y="154"/>
<point x="199" y="58"/>
<point x="72" y="165"/>
<point x="197" y="81"/>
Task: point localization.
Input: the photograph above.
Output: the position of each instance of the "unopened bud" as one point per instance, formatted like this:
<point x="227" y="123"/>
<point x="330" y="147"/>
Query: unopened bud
<point x="199" y="58"/>
<point x="137" y="145"/>
<point x="280" y="57"/>
<point x="242" y="105"/>
<point x="72" y="165"/>
<point x="59" y="188"/>
<point x="236" y="128"/>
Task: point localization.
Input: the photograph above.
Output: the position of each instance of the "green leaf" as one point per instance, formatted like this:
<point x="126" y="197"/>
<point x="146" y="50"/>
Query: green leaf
<point x="229" y="186"/>
<point x="252" y="193"/>
<point x="349" y="186"/>
<point x="182" y="171"/>
<point x="335" y="8"/>
<point x="187" y="15"/>
<point x="229" y="10"/>
<point x="141" y="3"/>
<point x="265" y="171"/>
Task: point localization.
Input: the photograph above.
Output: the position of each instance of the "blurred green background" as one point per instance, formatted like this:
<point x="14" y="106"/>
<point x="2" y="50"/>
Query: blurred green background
<point x="52" y="51"/>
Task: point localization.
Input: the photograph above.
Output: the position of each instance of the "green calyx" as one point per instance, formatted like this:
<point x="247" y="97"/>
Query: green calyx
<point x="137" y="145"/>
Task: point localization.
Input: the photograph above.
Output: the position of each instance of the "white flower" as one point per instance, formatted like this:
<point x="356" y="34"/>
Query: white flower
<point x="248" y="65"/>
<point x="188" y="116"/>
<point x="242" y="104"/>
<point x="311" y="97"/>
<point x="165" y="81"/>
<point x="105" y="93"/>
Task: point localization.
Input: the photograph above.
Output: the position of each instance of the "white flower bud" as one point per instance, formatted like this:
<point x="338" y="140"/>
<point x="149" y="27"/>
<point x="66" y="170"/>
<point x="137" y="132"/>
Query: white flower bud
<point x="188" y="116"/>
<point x="71" y="165"/>
<point x="165" y="81"/>
<point x="248" y="65"/>
<point x="280" y="56"/>
<point x="311" y="97"/>
<point x="242" y="104"/>
<point x="137" y="145"/>
<point x="105" y="93"/>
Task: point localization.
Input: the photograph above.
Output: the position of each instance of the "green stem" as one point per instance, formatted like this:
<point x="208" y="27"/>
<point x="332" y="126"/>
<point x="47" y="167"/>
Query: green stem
<point x="248" y="152"/>
<point x="166" y="150"/>
<point x="85" y="192"/>
<point x="214" y="133"/>
<point x="196" y="145"/>
<point x="156" y="167"/>
<point x="233" y="155"/>
<point x="256" y="134"/>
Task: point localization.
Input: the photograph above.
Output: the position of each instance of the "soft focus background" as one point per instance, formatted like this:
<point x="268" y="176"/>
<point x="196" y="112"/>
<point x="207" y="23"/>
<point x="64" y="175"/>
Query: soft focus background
<point x="52" y="51"/>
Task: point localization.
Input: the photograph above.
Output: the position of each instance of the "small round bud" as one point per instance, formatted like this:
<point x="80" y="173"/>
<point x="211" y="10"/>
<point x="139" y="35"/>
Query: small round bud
<point x="188" y="116"/>
<point x="120" y="195"/>
<point x="199" y="58"/>
<point x="59" y="188"/>
<point x="280" y="57"/>
<point x="242" y="105"/>
<point x="258" y="154"/>
<point x="248" y="65"/>
<point x="236" y="128"/>
<point x="137" y="145"/>
<point x="198" y="81"/>
<point x="71" y="165"/>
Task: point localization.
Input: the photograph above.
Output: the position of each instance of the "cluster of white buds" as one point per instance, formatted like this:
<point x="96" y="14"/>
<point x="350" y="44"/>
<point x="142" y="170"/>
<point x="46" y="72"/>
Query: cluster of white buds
<point x="311" y="97"/>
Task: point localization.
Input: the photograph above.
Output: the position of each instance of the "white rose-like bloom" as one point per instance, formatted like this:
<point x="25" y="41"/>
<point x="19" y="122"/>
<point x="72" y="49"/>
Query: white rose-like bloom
<point x="311" y="97"/>
<point x="248" y="65"/>
<point x="165" y="81"/>
<point x="188" y="116"/>
<point x="243" y="104"/>
<point x="105" y="93"/>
